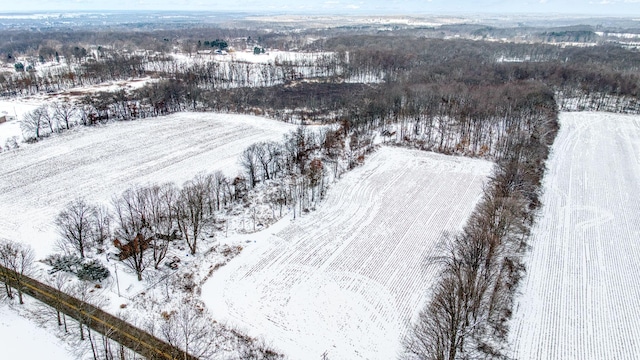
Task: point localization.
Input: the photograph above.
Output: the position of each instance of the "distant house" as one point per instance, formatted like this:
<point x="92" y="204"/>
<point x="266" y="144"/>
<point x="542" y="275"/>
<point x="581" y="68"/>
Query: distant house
<point x="3" y="119"/>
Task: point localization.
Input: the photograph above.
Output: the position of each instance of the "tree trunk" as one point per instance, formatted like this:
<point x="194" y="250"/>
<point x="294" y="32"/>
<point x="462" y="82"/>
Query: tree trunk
<point x="93" y="349"/>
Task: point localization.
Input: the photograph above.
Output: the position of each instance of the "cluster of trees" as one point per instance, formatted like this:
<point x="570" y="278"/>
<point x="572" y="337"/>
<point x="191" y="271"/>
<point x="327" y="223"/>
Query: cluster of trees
<point x="608" y="69"/>
<point x="82" y="227"/>
<point x="471" y="303"/>
<point x="300" y="168"/>
<point x="217" y="43"/>
<point x="49" y="119"/>
<point x="455" y="118"/>
<point x="191" y="329"/>
<point x="114" y="64"/>
<point x="145" y="220"/>
<point x="18" y="258"/>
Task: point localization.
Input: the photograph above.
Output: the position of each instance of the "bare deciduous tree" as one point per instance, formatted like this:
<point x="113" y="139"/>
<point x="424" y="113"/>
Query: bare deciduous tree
<point x="20" y="259"/>
<point x="101" y="226"/>
<point x="32" y="123"/>
<point x="75" y="226"/>
<point x="132" y="229"/>
<point x="189" y="329"/>
<point x="250" y="164"/>
<point x="191" y="210"/>
<point x="64" y="112"/>
<point x="161" y="207"/>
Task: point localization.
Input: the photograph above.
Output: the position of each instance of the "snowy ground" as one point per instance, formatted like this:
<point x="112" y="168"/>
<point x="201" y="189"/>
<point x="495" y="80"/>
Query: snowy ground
<point x="14" y="110"/>
<point x="36" y="181"/>
<point x="348" y="278"/>
<point x="23" y="339"/>
<point x="580" y="296"/>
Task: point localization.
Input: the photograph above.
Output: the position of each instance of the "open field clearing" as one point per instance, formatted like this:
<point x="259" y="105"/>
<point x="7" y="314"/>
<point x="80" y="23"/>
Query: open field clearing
<point x="19" y="335"/>
<point x="580" y="295"/>
<point x="348" y="278"/>
<point x="36" y="181"/>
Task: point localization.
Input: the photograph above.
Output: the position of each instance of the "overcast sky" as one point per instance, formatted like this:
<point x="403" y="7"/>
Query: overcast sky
<point x="407" y="7"/>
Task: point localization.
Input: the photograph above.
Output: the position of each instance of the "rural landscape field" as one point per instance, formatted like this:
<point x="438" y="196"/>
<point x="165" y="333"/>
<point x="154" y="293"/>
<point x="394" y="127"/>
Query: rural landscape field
<point x="574" y="305"/>
<point x="226" y="185"/>
<point x="103" y="162"/>
<point x="345" y="279"/>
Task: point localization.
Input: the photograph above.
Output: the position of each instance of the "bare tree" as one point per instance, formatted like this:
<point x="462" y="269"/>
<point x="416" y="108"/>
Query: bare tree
<point x="161" y="201"/>
<point x="49" y="119"/>
<point x="191" y="211"/>
<point x="190" y="329"/>
<point x="132" y="229"/>
<point x="64" y="112"/>
<point x="60" y="281"/>
<point x="32" y="123"/>
<point x="101" y="225"/>
<point x="20" y="259"/>
<point x="5" y="251"/>
<point x="86" y="292"/>
<point x="437" y="333"/>
<point x="219" y="189"/>
<point x="250" y="164"/>
<point x="75" y="225"/>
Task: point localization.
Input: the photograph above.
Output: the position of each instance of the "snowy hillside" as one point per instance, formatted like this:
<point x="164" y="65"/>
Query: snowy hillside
<point x="580" y="295"/>
<point x="347" y="278"/>
<point x="97" y="163"/>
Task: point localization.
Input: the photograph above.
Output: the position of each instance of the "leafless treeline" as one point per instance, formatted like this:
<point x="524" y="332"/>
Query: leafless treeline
<point x="454" y="96"/>
<point x="203" y="71"/>
<point x="470" y="305"/>
<point x="146" y="220"/>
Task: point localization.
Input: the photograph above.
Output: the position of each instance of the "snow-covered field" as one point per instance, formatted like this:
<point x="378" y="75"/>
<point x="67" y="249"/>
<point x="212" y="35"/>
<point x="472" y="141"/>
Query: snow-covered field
<point x="37" y="180"/>
<point x="23" y="339"/>
<point x="347" y="278"/>
<point x="580" y="295"/>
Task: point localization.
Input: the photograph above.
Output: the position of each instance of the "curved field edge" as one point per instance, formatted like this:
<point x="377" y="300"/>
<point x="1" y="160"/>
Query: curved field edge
<point x="348" y="278"/>
<point x="578" y="298"/>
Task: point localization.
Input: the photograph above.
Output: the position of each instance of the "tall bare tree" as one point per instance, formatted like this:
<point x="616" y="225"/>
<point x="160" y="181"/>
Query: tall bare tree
<point x="32" y="123"/>
<point x="64" y="112"/>
<point x="191" y="210"/>
<point x="19" y="258"/>
<point x="162" y="219"/>
<point x="75" y="226"/>
<point x="132" y="229"/>
<point x="250" y="164"/>
<point x="190" y="329"/>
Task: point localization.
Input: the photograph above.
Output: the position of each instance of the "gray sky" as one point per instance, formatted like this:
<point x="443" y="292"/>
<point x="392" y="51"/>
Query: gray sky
<point x="407" y="7"/>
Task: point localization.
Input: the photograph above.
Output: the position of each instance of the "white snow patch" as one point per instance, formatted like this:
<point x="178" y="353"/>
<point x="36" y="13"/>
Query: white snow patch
<point x="348" y="278"/>
<point x="24" y="339"/>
